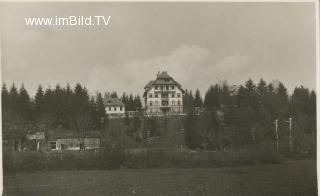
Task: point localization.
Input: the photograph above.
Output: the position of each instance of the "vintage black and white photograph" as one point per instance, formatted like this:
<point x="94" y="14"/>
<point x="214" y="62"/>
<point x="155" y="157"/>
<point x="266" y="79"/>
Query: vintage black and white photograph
<point x="159" y="98"/>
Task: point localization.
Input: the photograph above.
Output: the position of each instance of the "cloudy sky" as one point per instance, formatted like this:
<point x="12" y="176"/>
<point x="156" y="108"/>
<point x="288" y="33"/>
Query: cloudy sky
<point x="197" y="43"/>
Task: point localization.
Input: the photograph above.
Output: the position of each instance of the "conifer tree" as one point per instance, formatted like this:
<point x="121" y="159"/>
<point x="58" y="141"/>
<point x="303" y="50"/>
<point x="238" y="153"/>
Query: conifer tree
<point x="38" y="100"/>
<point x="24" y="106"/>
<point x="197" y="99"/>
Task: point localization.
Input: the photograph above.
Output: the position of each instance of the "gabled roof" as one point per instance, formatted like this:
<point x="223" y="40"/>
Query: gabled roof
<point x="163" y="78"/>
<point x="149" y="84"/>
<point x="113" y="102"/>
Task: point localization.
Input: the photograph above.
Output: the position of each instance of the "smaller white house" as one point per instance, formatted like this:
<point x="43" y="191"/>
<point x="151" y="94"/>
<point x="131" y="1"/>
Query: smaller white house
<point x="114" y="107"/>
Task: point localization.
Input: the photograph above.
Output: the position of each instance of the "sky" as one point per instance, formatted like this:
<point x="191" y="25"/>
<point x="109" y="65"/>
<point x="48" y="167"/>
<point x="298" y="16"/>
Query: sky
<point x="199" y="44"/>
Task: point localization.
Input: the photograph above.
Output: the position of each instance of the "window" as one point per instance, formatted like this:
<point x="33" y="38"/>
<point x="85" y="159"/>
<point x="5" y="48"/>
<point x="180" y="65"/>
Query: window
<point x="115" y="108"/>
<point x="164" y="95"/>
<point x="167" y="87"/>
<point x="172" y="87"/>
<point x="178" y="94"/>
<point x="164" y="103"/>
<point x="120" y="108"/>
<point x="172" y="96"/>
<point x="150" y="95"/>
<point x="173" y="103"/>
<point x="53" y="145"/>
<point x="156" y="87"/>
<point x="156" y="95"/>
<point x="109" y="108"/>
<point x="150" y="103"/>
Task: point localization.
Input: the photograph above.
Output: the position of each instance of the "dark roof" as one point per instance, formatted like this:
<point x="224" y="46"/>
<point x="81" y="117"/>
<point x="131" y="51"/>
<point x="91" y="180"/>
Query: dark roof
<point x="163" y="78"/>
<point x="65" y="133"/>
<point x="149" y="84"/>
<point x="113" y="102"/>
<point x="163" y="74"/>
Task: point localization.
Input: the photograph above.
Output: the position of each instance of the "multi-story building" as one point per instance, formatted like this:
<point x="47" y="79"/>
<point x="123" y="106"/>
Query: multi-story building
<point x="163" y="95"/>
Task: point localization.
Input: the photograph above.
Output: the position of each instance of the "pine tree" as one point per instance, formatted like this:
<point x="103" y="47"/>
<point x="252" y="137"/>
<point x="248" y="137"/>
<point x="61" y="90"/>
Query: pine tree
<point x="114" y="95"/>
<point x="24" y="105"/>
<point x="197" y="99"/>
<point x="38" y="99"/>
<point x="262" y="88"/>
<point x="100" y="106"/>
<point x="252" y="95"/>
<point x="188" y="101"/>
<point x="137" y="103"/>
<point x="13" y="98"/>
<point x="282" y="102"/>
<point x="131" y="103"/>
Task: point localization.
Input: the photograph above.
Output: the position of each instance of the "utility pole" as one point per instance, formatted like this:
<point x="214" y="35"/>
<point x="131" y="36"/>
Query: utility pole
<point x="277" y="135"/>
<point x="290" y="136"/>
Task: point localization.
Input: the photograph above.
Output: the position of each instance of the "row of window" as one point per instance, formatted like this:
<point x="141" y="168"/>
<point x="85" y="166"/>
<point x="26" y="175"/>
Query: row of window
<point x="114" y="108"/>
<point x="164" y="95"/>
<point x="167" y="87"/>
<point x="164" y="103"/>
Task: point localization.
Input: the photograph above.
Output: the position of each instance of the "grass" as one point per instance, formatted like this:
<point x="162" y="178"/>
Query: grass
<point x="117" y="158"/>
<point x="290" y="178"/>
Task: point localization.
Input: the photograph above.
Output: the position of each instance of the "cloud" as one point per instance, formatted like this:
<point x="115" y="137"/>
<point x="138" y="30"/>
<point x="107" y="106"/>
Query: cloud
<point x="191" y="65"/>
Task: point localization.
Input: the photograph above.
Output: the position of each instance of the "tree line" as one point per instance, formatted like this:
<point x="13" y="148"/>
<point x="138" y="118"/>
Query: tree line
<point x="226" y="116"/>
<point x="234" y="115"/>
<point x="71" y="108"/>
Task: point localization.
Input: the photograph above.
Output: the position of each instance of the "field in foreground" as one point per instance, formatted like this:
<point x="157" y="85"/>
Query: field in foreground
<point x="290" y="178"/>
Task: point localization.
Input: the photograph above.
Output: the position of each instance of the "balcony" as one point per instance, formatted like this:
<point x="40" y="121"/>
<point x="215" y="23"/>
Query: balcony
<point x="164" y="91"/>
<point x="165" y="106"/>
<point x="164" y="98"/>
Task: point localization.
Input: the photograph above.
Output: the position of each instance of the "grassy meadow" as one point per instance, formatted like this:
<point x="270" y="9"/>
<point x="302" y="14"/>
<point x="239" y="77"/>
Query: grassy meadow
<point x="290" y="178"/>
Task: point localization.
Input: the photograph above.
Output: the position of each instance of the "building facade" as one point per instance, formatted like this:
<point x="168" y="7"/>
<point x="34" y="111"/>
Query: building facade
<point x="68" y="140"/>
<point x="114" y="107"/>
<point x="163" y="95"/>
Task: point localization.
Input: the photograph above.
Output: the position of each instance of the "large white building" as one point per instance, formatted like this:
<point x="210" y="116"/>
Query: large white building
<point x="114" y="107"/>
<point x="163" y="95"/>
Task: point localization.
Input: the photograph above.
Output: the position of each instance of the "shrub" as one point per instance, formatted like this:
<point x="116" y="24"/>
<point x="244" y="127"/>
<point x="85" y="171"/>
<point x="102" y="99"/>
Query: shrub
<point x="117" y="158"/>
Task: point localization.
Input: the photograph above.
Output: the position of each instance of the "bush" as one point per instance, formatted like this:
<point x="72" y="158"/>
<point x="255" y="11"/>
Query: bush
<point x="117" y="158"/>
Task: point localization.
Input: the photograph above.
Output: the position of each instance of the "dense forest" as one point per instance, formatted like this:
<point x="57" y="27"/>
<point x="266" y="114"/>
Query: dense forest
<point x="247" y="114"/>
<point x="227" y="115"/>
<point x="66" y="107"/>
